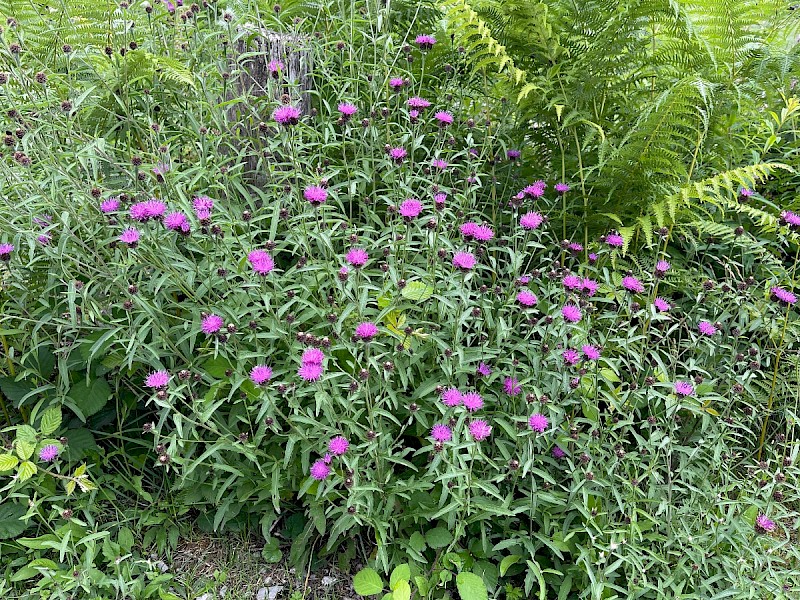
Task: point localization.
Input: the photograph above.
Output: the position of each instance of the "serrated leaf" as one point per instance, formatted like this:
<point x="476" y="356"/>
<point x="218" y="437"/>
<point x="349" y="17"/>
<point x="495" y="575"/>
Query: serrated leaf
<point x="27" y="433"/>
<point x="26" y="470"/>
<point x="417" y="291"/>
<point x="51" y="420"/>
<point x="90" y="398"/>
<point x="417" y="541"/>
<point x="24" y="448"/>
<point x="471" y="587"/>
<point x="438" y="537"/>
<point x="10" y="524"/>
<point x="8" y="462"/>
<point x="367" y="582"/>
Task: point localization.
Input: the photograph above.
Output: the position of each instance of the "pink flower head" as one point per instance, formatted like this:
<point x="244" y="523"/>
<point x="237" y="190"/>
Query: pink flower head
<point x="312" y="356"/>
<point x="451" y="397"/>
<point x="527" y="298"/>
<point x="575" y="247"/>
<point x="347" y="110"/>
<point x="783" y="296"/>
<point x="261" y="261"/>
<point x="260" y="374"/>
<point x="531" y="220"/>
<point x="315" y="194"/>
<point x="632" y="284"/>
<point x="310" y="371"/>
<point x="439" y="200"/>
<point x="662" y="266"/>
<point x="535" y="190"/>
<point x="396" y="83"/>
<point x="357" y="257"/>
<point x="511" y="386"/>
<point x="441" y="433"/>
<point x="211" y="324"/>
<point x="149" y="209"/>
<point x="590" y="352"/>
<point x="48" y="453"/>
<point x="425" y="42"/>
<point x="338" y="445"/>
<point x="479" y="430"/>
<point x="791" y="219"/>
<point x="661" y="304"/>
<point x="202" y="203"/>
<point x="366" y="331"/>
<point x="44" y="239"/>
<point x="472" y="401"/>
<point x="538" y="422"/>
<point x="275" y="66"/>
<point x="418" y="103"/>
<point x="483" y="370"/>
<point x="130" y="236"/>
<point x="615" y="240"/>
<point x="558" y="452"/>
<point x="110" y="205"/>
<point x="410" y="208"/>
<point x="683" y="389"/>
<point x="706" y="328"/>
<point x="157" y="379"/>
<point x="444" y="118"/>
<point x="592" y="258"/>
<point x="177" y="221"/>
<point x="570" y="356"/>
<point x="286" y="115"/>
<point x="745" y="192"/>
<point x="571" y="313"/>
<point x="483" y="233"/>
<point x="398" y="154"/>
<point x="6" y="250"/>
<point x="572" y="282"/>
<point x="320" y="470"/>
<point x="464" y="261"/>
<point x="439" y="163"/>
<point x="764" y="524"/>
<point x="513" y="154"/>
<point x="562" y="188"/>
<point x="468" y="229"/>
<point x="328" y="458"/>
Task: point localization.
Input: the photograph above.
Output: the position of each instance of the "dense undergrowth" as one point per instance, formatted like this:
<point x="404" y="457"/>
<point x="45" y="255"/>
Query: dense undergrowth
<point x="340" y="277"/>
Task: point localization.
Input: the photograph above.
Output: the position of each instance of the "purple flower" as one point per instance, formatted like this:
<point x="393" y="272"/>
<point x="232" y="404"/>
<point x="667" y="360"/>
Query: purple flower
<point x="562" y="188"/>
<point x="44" y="239"/>
<point x="527" y="298"/>
<point x="575" y="247"/>
<point x="558" y="452"/>
<point x="418" y="103"/>
<point x="441" y="433"/>
<point x="110" y="205"/>
<point x="425" y="42"/>
<point x="444" y="118"/>
<point x="261" y="261"/>
<point x="5" y="251"/>
<point x="410" y="208"/>
<point x="632" y="284"/>
<point x="483" y="370"/>
<point x="479" y="430"/>
<point x="572" y="282"/>
<point x="338" y="445"/>
<point x="366" y="331"/>
<point x="320" y="470"/>
<point x="538" y="422"/>
<point x="683" y="389"/>
<point x="315" y="195"/>
<point x="157" y="379"/>
<point x="764" y="524"/>
<point x="211" y="324"/>
<point x="535" y="190"/>
<point x="439" y="163"/>
<point x="745" y="192"/>
<point x="511" y="386"/>
<point x="571" y="313"/>
<point x="590" y="352"/>
<point x="413" y="116"/>
<point x="783" y="296"/>
<point x="464" y="261"/>
<point x="275" y="66"/>
<point x="357" y="257"/>
<point x="592" y="258"/>
<point x="662" y="267"/>
<point x="451" y="397"/>
<point x="130" y="236"/>
<point x="312" y="356"/>
<point x="347" y="110"/>
<point x="398" y="154"/>
<point x="661" y="304"/>
<point x="589" y="286"/>
<point x="177" y="221"/>
<point x="791" y="219"/>
<point x="48" y="453"/>
<point x="202" y="204"/>
<point x="615" y="240"/>
<point x="149" y="209"/>
<point x="260" y="374"/>
<point x="286" y="115"/>
<point x="396" y="83"/>
<point x="706" y="328"/>
<point x="439" y="200"/>
<point x="310" y="371"/>
<point x="570" y="356"/>
<point x="531" y="220"/>
<point x="472" y="401"/>
<point x="514" y="154"/>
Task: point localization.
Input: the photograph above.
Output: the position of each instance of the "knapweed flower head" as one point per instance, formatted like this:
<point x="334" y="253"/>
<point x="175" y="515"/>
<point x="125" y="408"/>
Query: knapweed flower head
<point x="315" y="195"/>
<point x="590" y="352"/>
<point x="48" y="453"/>
<point x="562" y="188"/>
<point x="615" y="240"/>
<point x="527" y="298"/>
<point x="451" y="397"/>
<point x="441" y="433"/>
<point x="632" y="284"/>
<point x="531" y="220"/>
<point x="511" y="386"/>
<point x="483" y="370"/>
<point x="44" y="239"/>
<point x="764" y="524"/>
<point x="109" y="206"/>
<point x="320" y="470"/>
<point x="558" y="452"/>
<point x="535" y="190"/>
<point x="662" y="266"/>
<point x="410" y="208"/>
<point x="683" y="389"/>
<point x="130" y="236"/>
<point x="6" y="250"/>
<point x="570" y="356"/>
<point x="211" y="324"/>
<point x="513" y="154"/>
<point x="347" y="110"/>
<point x="275" y="66"/>
<point x="396" y="83"/>
<point x="366" y="330"/>
<point x="783" y="296"/>
<point x="157" y="380"/>
<point x="177" y="221"/>
<point x="398" y="154"/>
<point x="338" y="445"/>
<point x="791" y="219"/>
<point x="575" y="247"/>
<point x="439" y="163"/>
<point x="589" y="286"/>
<point x="261" y="261"/>
<point x="706" y="328"/>
<point x="745" y="192"/>
<point x="592" y="258"/>
<point x="538" y="422"/>
<point x="479" y="430"/>
<point x="661" y="304"/>
<point x="571" y="313"/>
<point x="260" y="374"/>
<point x="357" y="257"/>
<point x="312" y="356"/>
<point x="417" y="103"/>
<point x="149" y="209"/>
<point x="439" y="200"/>
<point x="444" y="118"/>
<point x="464" y="261"/>
<point x="425" y="42"/>
<point x="472" y="401"/>
<point x="572" y="282"/>
<point x="202" y="205"/>
<point x="310" y="371"/>
<point x="286" y="115"/>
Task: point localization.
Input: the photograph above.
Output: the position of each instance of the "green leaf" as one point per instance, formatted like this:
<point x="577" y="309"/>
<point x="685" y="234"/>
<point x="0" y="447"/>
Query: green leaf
<point x="402" y="591"/>
<point x="417" y="541"/>
<point x="10" y="524"/>
<point x="125" y="539"/>
<point x="367" y="582"/>
<point x="24" y="448"/>
<point x="8" y="462"/>
<point x="90" y="399"/>
<point x="216" y="367"/>
<point x="51" y="420"/>
<point x="34" y="569"/>
<point x="400" y="573"/>
<point x="272" y="551"/>
<point x="26" y="470"/>
<point x="422" y="585"/>
<point x="417" y="291"/>
<point x="27" y="433"/>
<point x="471" y="587"/>
<point x="438" y="537"/>
<point x="507" y="562"/>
